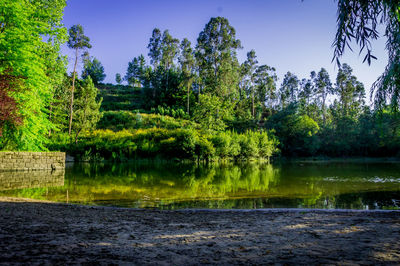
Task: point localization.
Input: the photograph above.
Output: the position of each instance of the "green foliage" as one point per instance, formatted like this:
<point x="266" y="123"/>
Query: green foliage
<point x="289" y="89"/>
<point x="86" y="109"/>
<point x="210" y="112"/>
<point x="216" y="58"/>
<point x="118" y="78"/>
<point x="118" y="120"/>
<point x="77" y="41"/>
<point x="180" y="143"/>
<point x="92" y="67"/>
<point x="294" y="131"/>
<point x="359" y="20"/>
<point x="24" y="27"/>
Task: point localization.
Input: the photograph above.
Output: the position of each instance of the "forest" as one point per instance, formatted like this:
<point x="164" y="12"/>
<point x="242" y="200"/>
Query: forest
<point x="187" y="101"/>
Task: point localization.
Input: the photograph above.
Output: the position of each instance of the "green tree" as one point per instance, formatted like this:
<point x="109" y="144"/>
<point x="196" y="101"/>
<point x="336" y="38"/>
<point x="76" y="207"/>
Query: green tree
<point x="30" y="37"/>
<point x="351" y="92"/>
<point x="77" y="41"/>
<point x="211" y="112"/>
<point x="118" y="78"/>
<point x="289" y="89"/>
<point x="92" y="67"/>
<point x="187" y="64"/>
<point x="265" y="79"/>
<point x="169" y="50"/>
<point x="249" y="68"/>
<point x="216" y="58"/>
<point x="154" y="46"/>
<point x="323" y="89"/>
<point x="134" y="73"/>
<point x="86" y="109"/>
<point x="59" y="105"/>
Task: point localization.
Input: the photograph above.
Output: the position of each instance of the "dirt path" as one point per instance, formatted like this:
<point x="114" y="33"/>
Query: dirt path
<point x="48" y="233"/>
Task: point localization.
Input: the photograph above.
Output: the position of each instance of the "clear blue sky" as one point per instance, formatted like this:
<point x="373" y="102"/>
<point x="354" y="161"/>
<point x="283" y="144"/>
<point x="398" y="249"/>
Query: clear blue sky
<point x="290" y="35"/>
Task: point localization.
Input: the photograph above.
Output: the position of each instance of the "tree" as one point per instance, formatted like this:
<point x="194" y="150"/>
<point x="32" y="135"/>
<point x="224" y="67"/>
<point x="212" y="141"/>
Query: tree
<point x="30" y="37"/>
<point x="289" y="89"/>
<point x="92" y="67"/>
<point x="211" y="112"/>
<point x="8" y="107"/>
<point x="59" y="105"/>
<point x="359" y="19"/>
<point x="187" y="63"/>
<point x="87" y="109"/>
<point x="249" y="68"/>
<point x="323" y="89"/>
<point x="118" y="78"/>
<point x="133" y="73"/>
<point x="351" y="92"/>
<point x="77" y="41"/>
<point x="169" y="50"/>
<point x="265" y="79"/>
<point x="154" y="47"/>
<point x="216" y="58"/>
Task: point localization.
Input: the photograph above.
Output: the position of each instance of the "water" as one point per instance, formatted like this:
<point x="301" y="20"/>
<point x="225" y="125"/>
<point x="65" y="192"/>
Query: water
<point x="226" y="186"/>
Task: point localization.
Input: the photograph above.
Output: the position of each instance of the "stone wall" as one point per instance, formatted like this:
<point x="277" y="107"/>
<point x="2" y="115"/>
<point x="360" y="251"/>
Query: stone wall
<point x="31" y="179"/>
<point x="32" y="161"/>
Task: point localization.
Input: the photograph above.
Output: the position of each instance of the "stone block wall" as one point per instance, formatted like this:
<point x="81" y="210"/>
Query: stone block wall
<point x="20" y="161"/>
<point x="31" y="179"/>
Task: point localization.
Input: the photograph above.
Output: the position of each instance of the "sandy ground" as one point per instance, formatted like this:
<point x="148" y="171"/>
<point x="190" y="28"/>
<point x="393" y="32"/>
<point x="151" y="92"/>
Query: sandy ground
<point x="48" y="233"/>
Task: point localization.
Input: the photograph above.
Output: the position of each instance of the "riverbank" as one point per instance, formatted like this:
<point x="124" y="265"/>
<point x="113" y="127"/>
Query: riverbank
<point x="36" y="232"/>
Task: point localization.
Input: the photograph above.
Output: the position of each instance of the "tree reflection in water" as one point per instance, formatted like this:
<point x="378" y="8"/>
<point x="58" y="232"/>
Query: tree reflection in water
<point x="251" y="185"/>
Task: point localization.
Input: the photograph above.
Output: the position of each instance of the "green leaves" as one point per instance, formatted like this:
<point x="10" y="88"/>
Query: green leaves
<point x="86" y="109"/>
<point x="77" y="38"/>
<point x="93" y="68"/>
<point x="25" y="25"/>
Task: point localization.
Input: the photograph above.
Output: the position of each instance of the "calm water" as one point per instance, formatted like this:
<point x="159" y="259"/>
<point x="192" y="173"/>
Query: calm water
<point x="248" y="186"/>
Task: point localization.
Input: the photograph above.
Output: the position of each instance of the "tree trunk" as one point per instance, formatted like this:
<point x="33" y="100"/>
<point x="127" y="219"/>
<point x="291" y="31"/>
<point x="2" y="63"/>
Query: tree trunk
<point x="252" y="104"/>
<point x="188" y="102"/>
<point x="323" y="109"/>
<point x="72" y="93"/>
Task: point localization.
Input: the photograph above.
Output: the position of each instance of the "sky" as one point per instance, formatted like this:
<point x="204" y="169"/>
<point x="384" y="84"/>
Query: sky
<point x="290" y="35"/>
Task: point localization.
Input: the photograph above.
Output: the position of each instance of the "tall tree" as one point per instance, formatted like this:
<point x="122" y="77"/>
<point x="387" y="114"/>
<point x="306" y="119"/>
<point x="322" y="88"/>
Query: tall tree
<point x="154" y="47"/>
<point x="323" y="89"/>
<point x="77" y="41"/>
<point x="249" y="69"/>
<point x="265" y="79"/>
<point x="92" y="67"/>
<point x="216" y="51"/>
<point x="187" y="64"/>
<point x="289" y="89"/>
<point x="30" y="37"/>
<point x="87" y="109"/>
<point x="133" y="73"/>
<point x="169" y="50"/>
<point x="351" y="92"/>
<point x="118" y="78"/>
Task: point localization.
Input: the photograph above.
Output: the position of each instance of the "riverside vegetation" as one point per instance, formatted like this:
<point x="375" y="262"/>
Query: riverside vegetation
<point x="188" y="102"/>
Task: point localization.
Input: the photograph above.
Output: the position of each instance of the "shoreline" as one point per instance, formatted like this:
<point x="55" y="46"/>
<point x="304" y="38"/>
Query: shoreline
<point x="38" y="232"/>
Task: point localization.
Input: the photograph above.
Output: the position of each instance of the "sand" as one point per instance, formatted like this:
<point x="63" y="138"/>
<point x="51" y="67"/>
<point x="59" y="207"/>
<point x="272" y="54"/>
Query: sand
<point x="35" y="232"/>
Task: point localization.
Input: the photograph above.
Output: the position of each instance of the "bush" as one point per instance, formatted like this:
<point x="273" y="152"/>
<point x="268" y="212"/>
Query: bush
<point x="166" y="143"/>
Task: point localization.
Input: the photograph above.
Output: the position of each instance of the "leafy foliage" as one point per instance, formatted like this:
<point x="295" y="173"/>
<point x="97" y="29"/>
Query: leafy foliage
<point x="30" y="35"/>
<point x="93" y="68"/>
<point x="359" y="20"/>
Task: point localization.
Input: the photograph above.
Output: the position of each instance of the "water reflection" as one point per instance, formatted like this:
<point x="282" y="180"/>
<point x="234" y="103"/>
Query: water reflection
<point x="171" y="186"/>
<point x="10" y="180"/>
